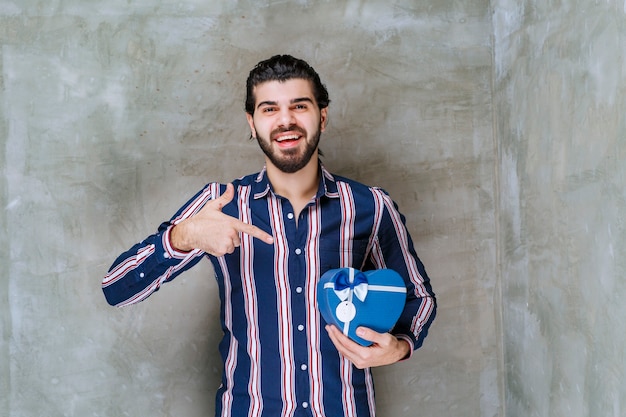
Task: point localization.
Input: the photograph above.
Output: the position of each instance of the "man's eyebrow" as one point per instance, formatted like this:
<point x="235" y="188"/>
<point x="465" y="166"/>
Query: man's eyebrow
<point x="295" y="100"/>
<point x="302" y="99"/>
<point x="266" y="103"/>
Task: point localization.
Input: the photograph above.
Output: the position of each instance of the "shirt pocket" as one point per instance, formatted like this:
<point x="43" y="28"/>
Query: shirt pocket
<point x="334" y="254"/>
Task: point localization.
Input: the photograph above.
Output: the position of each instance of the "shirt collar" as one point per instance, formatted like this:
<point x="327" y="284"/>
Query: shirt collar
<point x="327" y="186"/>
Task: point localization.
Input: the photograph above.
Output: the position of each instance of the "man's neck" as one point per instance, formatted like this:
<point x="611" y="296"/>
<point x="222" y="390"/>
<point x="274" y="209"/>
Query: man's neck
<point x="299" y="187"/>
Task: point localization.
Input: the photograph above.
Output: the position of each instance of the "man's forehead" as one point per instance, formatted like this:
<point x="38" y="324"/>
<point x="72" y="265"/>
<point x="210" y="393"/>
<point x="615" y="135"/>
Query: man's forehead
<point x="289" y="89"/>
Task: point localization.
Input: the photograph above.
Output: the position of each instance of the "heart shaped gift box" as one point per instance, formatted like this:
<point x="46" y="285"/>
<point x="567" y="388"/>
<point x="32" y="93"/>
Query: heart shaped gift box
<point x="349" y="298"/>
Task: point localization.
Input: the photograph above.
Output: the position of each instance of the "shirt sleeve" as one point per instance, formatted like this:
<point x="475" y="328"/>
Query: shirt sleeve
<point x="141" y="270"/>
<point x="394" y="249"/>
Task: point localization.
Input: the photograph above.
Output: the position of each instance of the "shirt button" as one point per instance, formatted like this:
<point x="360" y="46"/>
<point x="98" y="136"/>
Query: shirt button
<point x="303" y="367"/>
<point x="300" y="327"/>
<point x="305" y="405"/>
<point x="298" y="290"/>
<point x="142" y="275"/>
<point x="298" y="251"/>
<point x="290" y="216"/>
<point x="166" y="255"/>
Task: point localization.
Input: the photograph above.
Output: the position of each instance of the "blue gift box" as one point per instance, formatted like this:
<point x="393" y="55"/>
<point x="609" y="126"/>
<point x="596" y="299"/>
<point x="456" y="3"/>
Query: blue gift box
<point x="349" y="298"/>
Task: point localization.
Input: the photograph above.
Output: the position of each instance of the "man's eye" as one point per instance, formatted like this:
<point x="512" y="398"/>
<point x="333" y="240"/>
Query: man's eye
<point x="268" y="109"/>
<point x="301" y="106"/>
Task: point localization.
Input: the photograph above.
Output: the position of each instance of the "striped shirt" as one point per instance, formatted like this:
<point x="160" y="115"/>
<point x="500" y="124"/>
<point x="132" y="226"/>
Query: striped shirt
<point x="278" y="360"/>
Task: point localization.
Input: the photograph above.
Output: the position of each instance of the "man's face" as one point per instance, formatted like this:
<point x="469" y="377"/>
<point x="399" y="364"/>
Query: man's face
<point x="287" y="123"/>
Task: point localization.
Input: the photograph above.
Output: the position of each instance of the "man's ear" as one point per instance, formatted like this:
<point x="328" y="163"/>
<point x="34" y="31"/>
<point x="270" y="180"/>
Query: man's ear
<point x="251" y="124"/>
<point x="323" y="118"/>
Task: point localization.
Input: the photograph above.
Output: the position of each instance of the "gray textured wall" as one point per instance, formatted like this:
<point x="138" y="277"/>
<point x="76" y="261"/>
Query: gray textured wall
<point x="113" y="113"/>
<point x="560" y="100"/>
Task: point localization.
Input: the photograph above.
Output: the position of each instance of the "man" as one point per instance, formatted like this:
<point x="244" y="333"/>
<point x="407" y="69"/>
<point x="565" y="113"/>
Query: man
<point x="270" y="236"/>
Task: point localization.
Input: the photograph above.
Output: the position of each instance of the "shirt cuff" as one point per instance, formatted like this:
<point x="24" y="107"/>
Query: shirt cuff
<point x="166" y="249"/>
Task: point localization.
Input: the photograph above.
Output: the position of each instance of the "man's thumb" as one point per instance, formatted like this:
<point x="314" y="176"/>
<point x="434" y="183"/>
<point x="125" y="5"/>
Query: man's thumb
<point x="226" y="197"/>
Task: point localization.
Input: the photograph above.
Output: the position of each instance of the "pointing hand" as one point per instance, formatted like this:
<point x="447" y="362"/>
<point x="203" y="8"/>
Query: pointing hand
<point x="212" y="231"/>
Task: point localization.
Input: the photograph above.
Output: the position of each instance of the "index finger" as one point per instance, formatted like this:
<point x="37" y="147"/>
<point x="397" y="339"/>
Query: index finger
<point x="254" y="231"/>
<point x="346" y="346"/>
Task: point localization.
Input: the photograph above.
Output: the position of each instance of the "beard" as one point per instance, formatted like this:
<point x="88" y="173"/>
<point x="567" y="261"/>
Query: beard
<point x="290" y="160"/>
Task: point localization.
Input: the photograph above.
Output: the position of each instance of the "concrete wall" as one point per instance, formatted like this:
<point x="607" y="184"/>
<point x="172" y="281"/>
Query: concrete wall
<point x="114" y="112"/>
<point x="560" y="101"/>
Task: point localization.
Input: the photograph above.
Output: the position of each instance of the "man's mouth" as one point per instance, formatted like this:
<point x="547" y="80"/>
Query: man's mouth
<point x="286" y="138"/>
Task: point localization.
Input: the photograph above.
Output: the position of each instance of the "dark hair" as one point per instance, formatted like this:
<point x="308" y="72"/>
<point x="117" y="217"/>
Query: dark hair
<point x="283" y="68"/>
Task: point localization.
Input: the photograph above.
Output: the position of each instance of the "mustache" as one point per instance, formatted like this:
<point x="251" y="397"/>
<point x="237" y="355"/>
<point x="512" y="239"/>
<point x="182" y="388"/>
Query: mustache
<point x="292" y="128"/>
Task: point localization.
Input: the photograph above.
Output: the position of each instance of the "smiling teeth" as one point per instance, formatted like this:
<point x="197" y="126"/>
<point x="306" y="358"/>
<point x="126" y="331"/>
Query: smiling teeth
<point x="290" y="137"/>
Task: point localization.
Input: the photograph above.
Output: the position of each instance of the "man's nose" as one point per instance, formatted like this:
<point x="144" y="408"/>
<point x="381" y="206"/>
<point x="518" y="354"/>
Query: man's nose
<point x="286" y="118"/>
